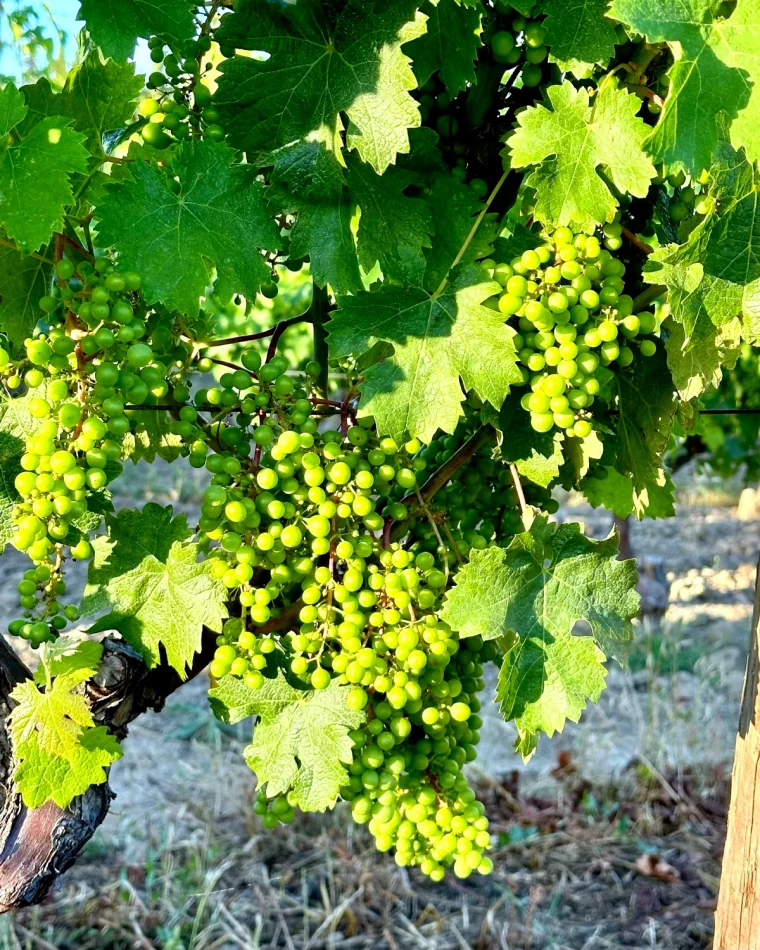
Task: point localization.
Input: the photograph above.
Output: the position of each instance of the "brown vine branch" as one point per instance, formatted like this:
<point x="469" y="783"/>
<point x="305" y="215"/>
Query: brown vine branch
<point x="647" y="296"/>
<point x="232" y="366"/>
<point x="444" y="473"/>
<point x="440" y="477"/>
<point x="77" y="246"/>
<point x="263" y="334"/>
<point x="636" y="241"/>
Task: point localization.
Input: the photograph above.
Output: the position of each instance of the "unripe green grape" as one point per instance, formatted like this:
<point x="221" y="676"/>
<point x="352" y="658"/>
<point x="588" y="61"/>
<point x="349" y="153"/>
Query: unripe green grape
<point x="531" y="75"/>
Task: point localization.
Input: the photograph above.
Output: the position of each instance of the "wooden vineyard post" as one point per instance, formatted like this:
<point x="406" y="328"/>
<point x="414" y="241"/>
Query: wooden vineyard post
<point x="737" y="918"/>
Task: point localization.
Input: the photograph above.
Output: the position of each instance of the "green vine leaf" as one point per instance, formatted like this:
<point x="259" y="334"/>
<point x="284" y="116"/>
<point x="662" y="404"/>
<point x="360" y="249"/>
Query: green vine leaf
<point x="716" y="71"/>
<point x="115" y="25"/>
<point x="437" y="341"/>
<point x="455" y="209"/>
<point x="98" y="96"/>
<point x="698" y="367"/>
<point x="308" y="178"/>
<point x="393" y="229"/>
<point x="450" y="44"/>
<point x="215" y="224"/>
<point x="41" y="776"/>
<point x="647" y="404"/>
<point x="535" y="592"/>
<point x="35" y="172"/>
<point x="58" y="749"/>
<point x="571" y="142"/>
<point x="323" y="60"/>
<point x="16" y="425"/>
<point x="606" y="487"/>
<point x="578" y="34"/>
<point x="300" y="742"/>
<point x="23" y="280"/>
<point x="158" y="595"/>
<point x="715" y="275"/>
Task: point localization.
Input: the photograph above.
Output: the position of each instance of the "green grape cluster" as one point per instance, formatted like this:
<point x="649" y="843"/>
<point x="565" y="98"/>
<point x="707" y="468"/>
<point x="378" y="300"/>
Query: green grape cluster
<point x="297" y="523"/>
<point x="406" y="781"/>
<point x="690" y="197"/>
<point x="575" y="326"/>
<point x="521" y="45"/>
<point x="273" y="811"/>
<point x="184" y="106"/>
<point x="99" y="352"/>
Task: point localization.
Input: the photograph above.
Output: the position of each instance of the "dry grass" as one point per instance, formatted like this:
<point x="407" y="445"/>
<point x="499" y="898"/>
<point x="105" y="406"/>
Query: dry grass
<point x="635" y="867"/>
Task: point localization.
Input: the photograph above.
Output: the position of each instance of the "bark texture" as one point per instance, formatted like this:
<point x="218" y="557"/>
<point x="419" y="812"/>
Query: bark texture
<point x="37" y="846"/>
<point x="737" y="919"/>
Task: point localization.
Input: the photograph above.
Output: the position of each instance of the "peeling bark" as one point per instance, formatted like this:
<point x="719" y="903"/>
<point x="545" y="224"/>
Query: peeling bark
<point x="38" y="845"/>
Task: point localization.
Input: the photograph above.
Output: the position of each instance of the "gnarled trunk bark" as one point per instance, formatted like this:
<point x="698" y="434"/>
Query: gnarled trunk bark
<point x="38" y="845"/>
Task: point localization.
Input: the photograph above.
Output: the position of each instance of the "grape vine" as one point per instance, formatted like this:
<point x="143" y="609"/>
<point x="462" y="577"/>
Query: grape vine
<point x="504" y="261"/>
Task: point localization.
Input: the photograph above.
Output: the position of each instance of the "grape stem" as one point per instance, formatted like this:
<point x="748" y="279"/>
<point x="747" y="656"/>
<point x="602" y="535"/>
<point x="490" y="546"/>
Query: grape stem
<point x="518" y="488"/>
<point x="473" y="231"/>
<point x="647" y="296"/>
<point x="636" y="241"/>
<point x="387" y="532"/>
<point x="434" y="526"/>
<point x="278" y="329"/>
<point x="452" y="542"/>
<point x="77" y="246"/>
<point x="643" y="92"/>
<point x="232" y="366"/>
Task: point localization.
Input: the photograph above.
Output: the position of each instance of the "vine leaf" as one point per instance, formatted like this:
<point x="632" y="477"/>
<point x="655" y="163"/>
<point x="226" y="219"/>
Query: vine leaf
<point x="58" y="749"/>
<point x="23" y="281"/>
<point x="217" y="221"/>
<point x="455" y="209"/>
<point x="450" y="44"/>
<point x="115" y="25"/>
<point x="715" y="275"/>
<point x="16" y="425"/>
<point x="437" y="341"/>
<point x="533" y="593"/>
<point x="146" y="574"/>
<point x="579" y="34"/>
<point x="98" y="96"/>
<point x="151" y="437"/>
<point x="300" y="742"/>
<point x="646" y="405"/>
<point x="11" y="450"/>
<point x="41" y="776"/>
<point x="308" y="177"/>
<point x="324" y="59"/>
<point x="570" y="142"/>
<point x="35" y="172"/>
<point x="608" y="488"/>
<point x="48" y="708"/>
<point x="694" y="369"/>
<point x="393" y="229"/>
<point x="716" y="70"/>
<point x="12" y="108"/>
<point x="537" y="455"/>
